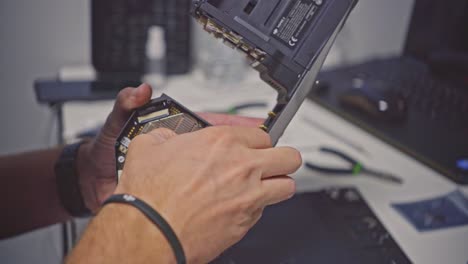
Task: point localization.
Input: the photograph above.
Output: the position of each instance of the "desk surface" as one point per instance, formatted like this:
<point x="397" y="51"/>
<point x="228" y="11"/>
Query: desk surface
<point x="443" y="246"/>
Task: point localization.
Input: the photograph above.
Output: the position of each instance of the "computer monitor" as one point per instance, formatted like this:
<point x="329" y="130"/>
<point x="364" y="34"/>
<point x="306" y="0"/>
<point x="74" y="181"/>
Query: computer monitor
<point x="438" y="27"/>
<point x="120" y="36"/>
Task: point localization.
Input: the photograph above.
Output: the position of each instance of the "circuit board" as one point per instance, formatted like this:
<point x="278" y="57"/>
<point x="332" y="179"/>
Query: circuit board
<point x="163" y="112"/>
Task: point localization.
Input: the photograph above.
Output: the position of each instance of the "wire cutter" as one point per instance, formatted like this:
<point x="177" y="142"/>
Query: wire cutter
<point x="356" y="168"/>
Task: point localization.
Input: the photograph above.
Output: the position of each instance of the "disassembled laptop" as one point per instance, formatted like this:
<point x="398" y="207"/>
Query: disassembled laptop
<point x="286" y="41"/>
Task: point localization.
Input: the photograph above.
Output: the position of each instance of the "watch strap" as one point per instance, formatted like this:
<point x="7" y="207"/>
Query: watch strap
<point x="68" y="184"/>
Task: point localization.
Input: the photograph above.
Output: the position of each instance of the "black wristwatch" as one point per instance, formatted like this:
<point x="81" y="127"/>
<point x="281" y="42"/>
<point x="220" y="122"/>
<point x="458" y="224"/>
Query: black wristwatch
<point x="68" y="184"/>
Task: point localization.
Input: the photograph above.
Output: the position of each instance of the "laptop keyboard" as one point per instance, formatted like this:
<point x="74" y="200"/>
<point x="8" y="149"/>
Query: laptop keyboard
<point x="331" y="226"/>
<point x="437" y="99"/>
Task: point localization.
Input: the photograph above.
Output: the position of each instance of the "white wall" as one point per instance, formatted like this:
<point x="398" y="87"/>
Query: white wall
<point x="37" y="37"/>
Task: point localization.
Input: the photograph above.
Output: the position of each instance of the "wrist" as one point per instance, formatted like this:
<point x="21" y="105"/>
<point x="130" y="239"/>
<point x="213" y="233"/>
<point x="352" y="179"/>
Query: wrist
<point x="139" y="237"/>
<point x="120" y="234"/>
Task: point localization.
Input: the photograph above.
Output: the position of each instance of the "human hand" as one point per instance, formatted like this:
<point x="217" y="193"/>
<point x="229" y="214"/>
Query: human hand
<point x="96" y="161"/>
<point x="231" y="120"/>
<point x="211" y="185"/>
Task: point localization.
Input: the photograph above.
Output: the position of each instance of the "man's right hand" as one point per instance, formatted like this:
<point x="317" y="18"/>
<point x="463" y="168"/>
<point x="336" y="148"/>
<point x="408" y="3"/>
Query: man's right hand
<point x="211" y="186"/>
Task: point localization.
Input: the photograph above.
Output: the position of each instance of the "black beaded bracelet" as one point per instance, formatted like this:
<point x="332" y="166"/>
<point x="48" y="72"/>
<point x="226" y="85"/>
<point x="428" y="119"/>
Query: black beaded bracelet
<point x="154" y="217"/>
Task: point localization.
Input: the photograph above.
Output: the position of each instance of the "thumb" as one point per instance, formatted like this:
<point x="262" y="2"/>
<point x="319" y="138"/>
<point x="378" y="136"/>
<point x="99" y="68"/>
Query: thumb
<point x="161" y="135"/>
<point x="127" y="100"/>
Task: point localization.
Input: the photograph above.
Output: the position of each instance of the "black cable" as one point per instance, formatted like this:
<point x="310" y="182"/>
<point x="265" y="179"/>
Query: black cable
<point x="58" y="109"/>
<point x="154" y="217"/>
<point x="73" y="232"/>
<point x="64" y="239"/>
<point x="60" y="126"/>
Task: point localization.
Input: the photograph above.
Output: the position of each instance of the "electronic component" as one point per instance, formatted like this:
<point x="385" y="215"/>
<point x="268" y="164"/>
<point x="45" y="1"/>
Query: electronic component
<point x="287" y="41"/>
<point x="163" y="112"/>
<point x="335" y="225"/>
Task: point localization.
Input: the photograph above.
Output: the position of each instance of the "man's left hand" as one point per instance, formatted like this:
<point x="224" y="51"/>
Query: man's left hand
<point x="96" y="161"/>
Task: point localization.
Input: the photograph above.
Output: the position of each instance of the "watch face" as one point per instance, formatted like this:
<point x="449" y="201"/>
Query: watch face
<point x="163" y="112"/>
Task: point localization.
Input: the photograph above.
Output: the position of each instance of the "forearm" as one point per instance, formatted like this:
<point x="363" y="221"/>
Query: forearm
<point x="121" y="234"/>
<point x="30" y="191"/>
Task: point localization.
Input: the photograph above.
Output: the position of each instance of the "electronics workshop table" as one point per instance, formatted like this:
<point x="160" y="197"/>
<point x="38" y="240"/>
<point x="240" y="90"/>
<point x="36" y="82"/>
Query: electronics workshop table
<point x="440" y="246"/>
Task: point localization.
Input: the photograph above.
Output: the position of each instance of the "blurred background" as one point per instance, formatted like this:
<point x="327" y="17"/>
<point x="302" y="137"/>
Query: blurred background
<point x="52" y="38"/>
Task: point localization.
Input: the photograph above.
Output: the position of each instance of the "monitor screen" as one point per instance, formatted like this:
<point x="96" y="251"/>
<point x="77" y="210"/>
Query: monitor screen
<point x="438" y="27"/>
